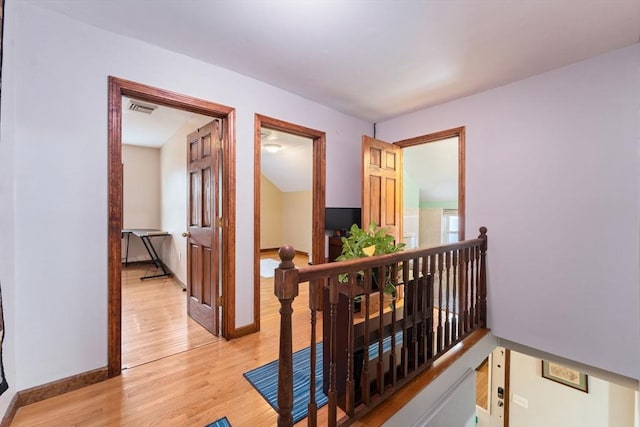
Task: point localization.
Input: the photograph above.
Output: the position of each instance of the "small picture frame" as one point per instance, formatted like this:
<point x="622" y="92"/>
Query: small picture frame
<point x="564" y="375"/>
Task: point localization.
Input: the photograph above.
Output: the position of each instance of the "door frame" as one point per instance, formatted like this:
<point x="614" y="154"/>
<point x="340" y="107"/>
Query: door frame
<point x="437" y="136"/>
<point x="318" y="195"/>
<point x="117" y="88"/>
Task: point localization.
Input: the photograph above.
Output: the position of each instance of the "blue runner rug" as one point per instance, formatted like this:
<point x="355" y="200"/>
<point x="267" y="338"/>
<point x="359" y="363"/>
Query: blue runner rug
<point x="222" y="422"/>
<point x="265" y="378"/>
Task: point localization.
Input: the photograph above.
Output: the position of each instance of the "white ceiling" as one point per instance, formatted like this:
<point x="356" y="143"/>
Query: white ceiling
<point x="153" y="130"/>
<point x="373" y="59"/>
<point x="291" y="168"/>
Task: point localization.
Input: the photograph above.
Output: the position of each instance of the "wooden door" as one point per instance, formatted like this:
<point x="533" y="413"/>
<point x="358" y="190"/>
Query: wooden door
<point x="203" y="232"/>
<point x="382" y="185"/>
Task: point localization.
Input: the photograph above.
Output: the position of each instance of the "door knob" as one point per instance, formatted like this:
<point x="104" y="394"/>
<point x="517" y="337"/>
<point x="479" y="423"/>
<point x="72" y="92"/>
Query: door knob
<point x="186" y="234"/>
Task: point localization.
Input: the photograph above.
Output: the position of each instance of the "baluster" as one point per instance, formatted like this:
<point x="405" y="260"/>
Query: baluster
<point x="333" y="314"/>
<point x="477" y="286"/>
<point x="286" y="289"/>
<point x="430" y="307"/>
<point x="447" y="324"/>
<point x="440" y="300"/>
<point x="463" y="292"/>
<point x="350" y="389"/>
<point x="409" y="291"/>
<point x="468" y="280"/>
<point x="482" y="299"/>
<point x="380" y="373"/>
<point x="366" y="386"/>
<point x="423" y="289"/>
<point x="456" y="309"/>
<point x="416" y="313"/>
<point x="315" y="291"/>
<point x="392" y="354"/>
<point x="472" y="290"/>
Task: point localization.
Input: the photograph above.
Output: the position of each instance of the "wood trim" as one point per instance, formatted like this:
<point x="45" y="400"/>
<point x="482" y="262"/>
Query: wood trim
<point x="52" y="389"/>
<point x="117" y="88"/>
<point x="437" y="136"/>
<point x="265" y="250"/>
<point x="318" y="190"/>
<point x="229" y="228"/>
<point x="114" y="275"/>
<point x="64" y="385"/>
<point x="244" y="330"/>
<point x="10" y="413"/>
<point x="507" y="386"/>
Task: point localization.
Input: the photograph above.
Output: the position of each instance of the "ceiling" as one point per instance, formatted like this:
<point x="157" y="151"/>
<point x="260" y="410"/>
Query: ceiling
<point x="373" y="59"/>
<point x="289" y="169"/>
<point x="154" y="129"/>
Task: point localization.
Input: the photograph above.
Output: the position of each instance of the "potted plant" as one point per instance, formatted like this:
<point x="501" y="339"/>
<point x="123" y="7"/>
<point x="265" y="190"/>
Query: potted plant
<point x="373" y="241"/>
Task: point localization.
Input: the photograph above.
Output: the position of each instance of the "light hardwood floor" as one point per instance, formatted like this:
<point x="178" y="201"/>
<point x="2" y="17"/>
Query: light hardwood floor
<point x="191" y="388"/>
<point x="154" y="319"/>
<point x="198" y="385"/>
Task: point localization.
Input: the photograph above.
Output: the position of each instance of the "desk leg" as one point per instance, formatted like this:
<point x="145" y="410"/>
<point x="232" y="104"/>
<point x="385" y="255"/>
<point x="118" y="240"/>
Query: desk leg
<point x="126" y="251"/>
<point x="146" y="240"/>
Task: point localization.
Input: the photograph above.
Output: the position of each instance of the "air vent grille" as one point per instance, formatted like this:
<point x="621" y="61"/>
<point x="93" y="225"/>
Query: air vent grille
<point x="141" y="107"/>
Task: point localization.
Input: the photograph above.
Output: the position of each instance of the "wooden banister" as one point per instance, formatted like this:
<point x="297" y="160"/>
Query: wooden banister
<point x="286" y="289"/>
<point x="444" y="302"/>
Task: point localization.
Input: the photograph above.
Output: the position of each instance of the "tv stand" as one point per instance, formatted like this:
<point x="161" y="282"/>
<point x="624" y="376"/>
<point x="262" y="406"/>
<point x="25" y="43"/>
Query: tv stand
<point x="335" y="247"/>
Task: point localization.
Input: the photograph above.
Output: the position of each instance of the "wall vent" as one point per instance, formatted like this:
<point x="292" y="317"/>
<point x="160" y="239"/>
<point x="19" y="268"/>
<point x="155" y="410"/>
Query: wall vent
<point x="141" y="107"/>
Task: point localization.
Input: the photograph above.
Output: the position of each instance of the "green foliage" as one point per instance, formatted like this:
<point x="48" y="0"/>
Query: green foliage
<point x="353" y="246"/>
<point x="361" y="243"/>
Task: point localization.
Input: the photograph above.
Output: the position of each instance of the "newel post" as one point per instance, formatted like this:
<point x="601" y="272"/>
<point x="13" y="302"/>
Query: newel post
<point x="482" y="304"/>
<point x="286" y="289"/>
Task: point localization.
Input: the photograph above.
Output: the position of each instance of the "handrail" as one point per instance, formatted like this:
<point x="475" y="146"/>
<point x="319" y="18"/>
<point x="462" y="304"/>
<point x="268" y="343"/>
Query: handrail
<point x="444" y="300"/>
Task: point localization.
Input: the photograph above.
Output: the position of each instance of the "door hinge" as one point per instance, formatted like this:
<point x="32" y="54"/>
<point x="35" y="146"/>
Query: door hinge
<point x="220" y="301"/>
<point x="220" y="135"/>
<point x="220" y="222"/>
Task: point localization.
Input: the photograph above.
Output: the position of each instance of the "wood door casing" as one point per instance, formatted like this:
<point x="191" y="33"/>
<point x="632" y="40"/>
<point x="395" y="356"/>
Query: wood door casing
<point x="117" y="88"/>
<point x="382" y="185"/>
<point x="203" y="256"/>
<point x="318" y="189"/>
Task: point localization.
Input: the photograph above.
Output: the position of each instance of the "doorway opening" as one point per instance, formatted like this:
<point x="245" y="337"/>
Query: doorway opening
<point x="433" y="193"/>
<point x="225" y="117"/>
<point x="294" y="157"/>
<point x="155" y="319"/>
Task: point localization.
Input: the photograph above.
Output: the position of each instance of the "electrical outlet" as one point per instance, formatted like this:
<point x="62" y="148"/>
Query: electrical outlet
<point x="519" y="400"/>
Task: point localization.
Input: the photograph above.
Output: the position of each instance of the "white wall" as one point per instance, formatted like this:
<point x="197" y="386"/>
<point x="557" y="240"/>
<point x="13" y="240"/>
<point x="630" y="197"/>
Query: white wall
<point x="58" y="135"/>
<point x="285" y="217"/>
<point x="297" y="217"/>
<point x="552" y="171"/>
<point x="553" y="404"/>
<point x="140" y="195"/>
<point x="270" y="214"/>
<point x="173" y="173"/>
<point x="8" y="206"/>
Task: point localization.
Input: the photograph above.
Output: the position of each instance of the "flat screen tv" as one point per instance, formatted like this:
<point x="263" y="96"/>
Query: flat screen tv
<point x="341" y="218"/>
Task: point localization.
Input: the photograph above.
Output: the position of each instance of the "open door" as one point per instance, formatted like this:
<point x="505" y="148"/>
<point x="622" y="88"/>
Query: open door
<point x="204" y="221"/>
<point x="382" y="185"/>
